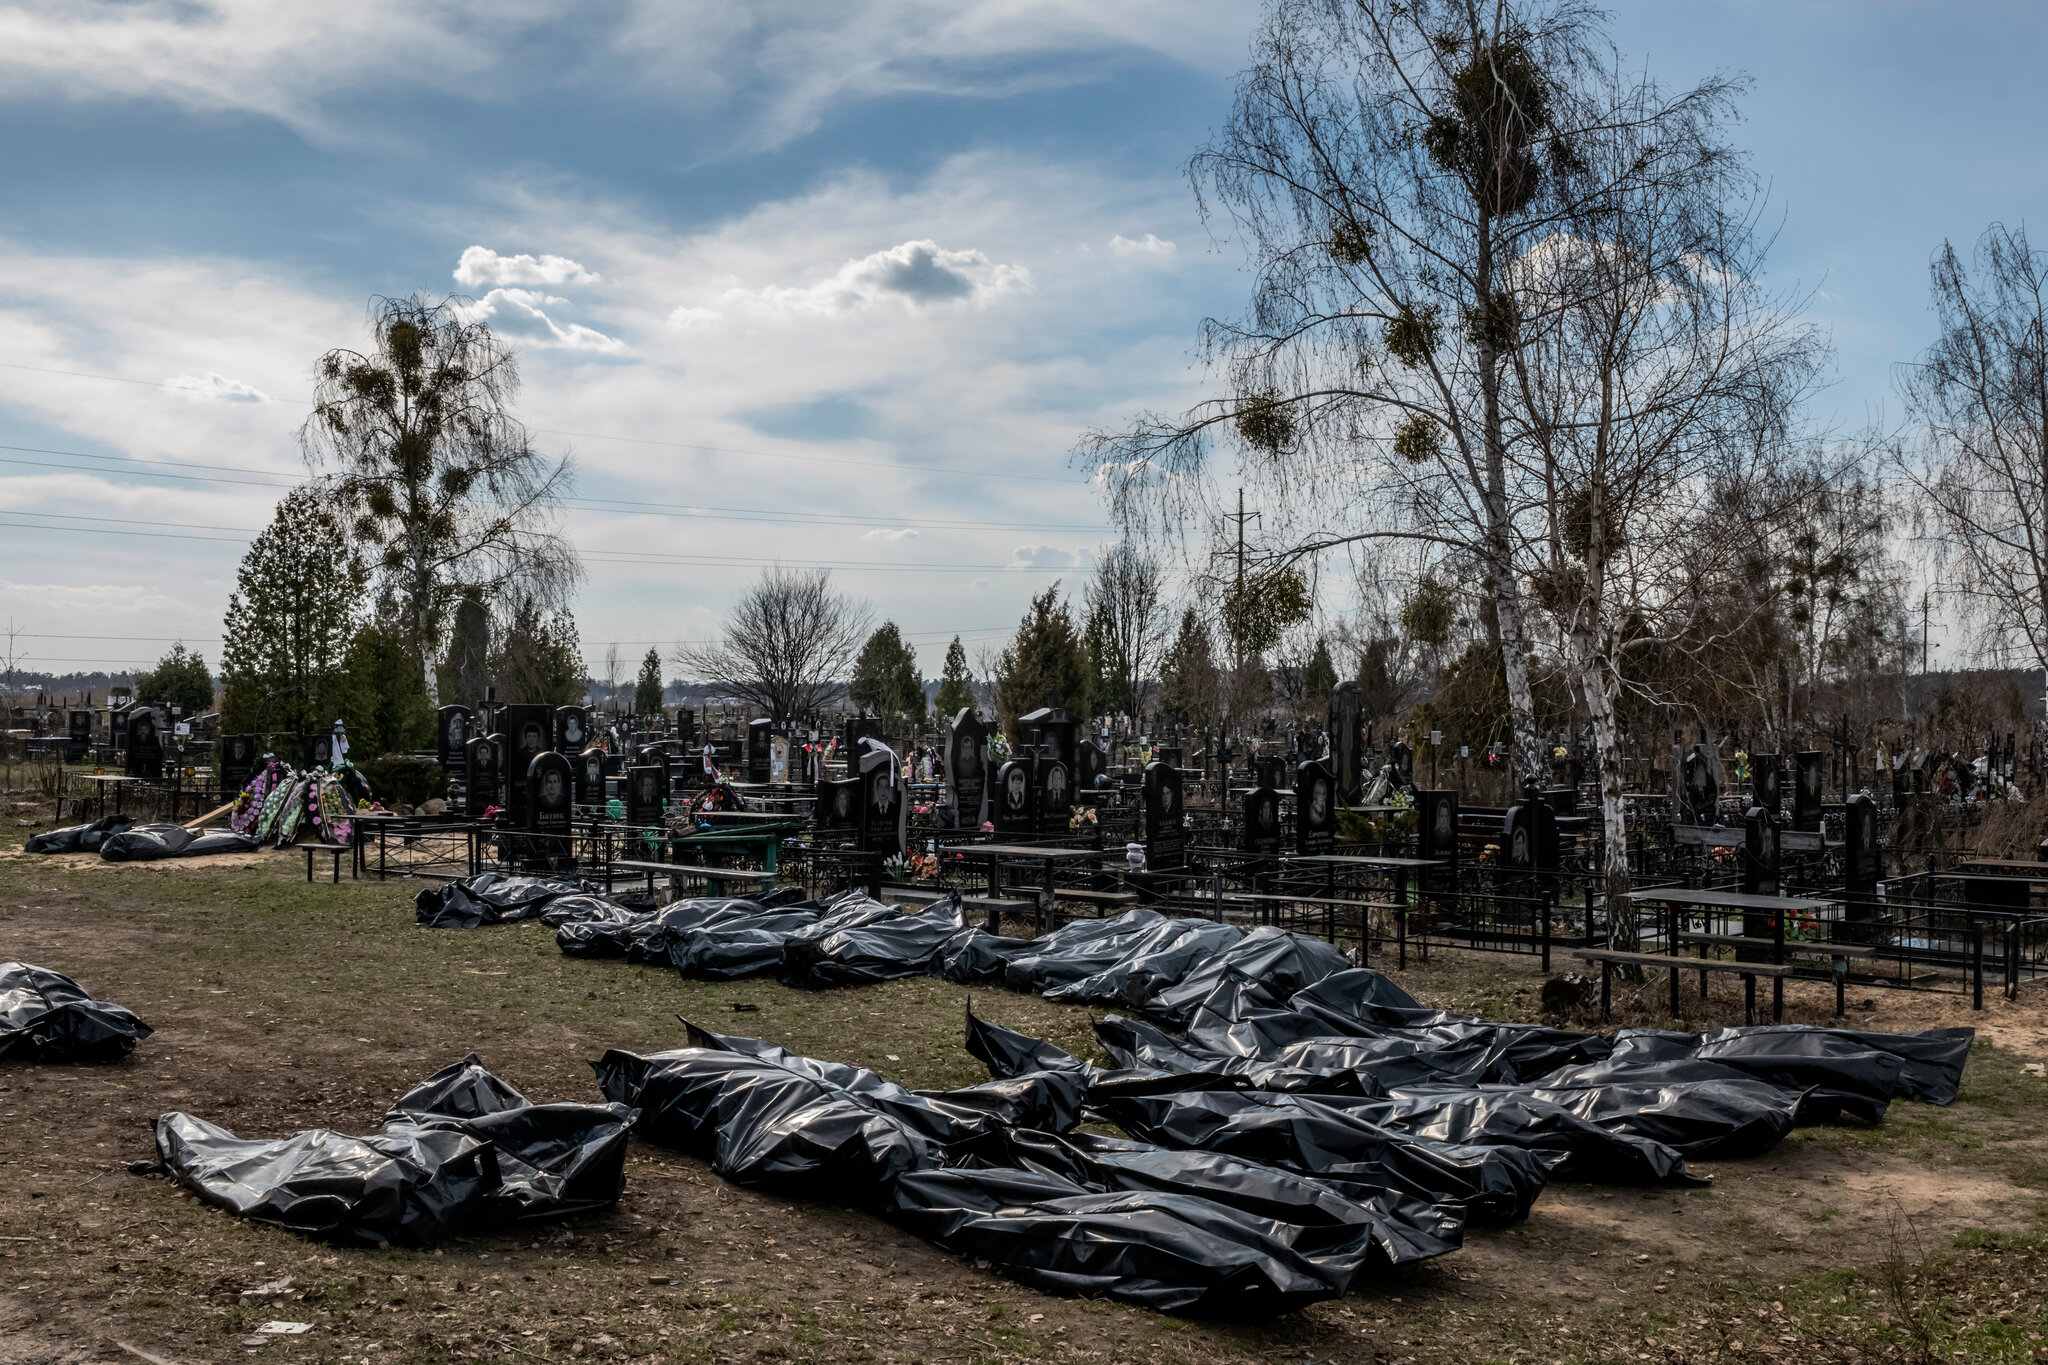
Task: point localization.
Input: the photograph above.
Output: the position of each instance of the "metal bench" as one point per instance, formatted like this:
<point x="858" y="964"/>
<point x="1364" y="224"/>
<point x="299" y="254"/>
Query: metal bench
<point x="1749" y="971"/>
<point x="336" y="849"/>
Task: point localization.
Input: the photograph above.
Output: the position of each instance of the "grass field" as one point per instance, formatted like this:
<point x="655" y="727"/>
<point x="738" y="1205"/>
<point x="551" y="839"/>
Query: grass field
<point x="281" y="1005"/>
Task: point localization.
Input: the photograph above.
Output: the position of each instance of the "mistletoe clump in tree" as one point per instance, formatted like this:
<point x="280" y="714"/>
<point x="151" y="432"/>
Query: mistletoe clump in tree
<point x="438" y="480"/>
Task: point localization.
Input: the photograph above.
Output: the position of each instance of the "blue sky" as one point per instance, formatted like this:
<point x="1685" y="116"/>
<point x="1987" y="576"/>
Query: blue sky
<point x="890" y="257"/>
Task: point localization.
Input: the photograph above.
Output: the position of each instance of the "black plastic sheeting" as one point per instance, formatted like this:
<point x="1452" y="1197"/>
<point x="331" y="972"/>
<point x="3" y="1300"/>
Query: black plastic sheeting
<point x="463" y="1151"/>
<point x="986" y="1171"/>
<point x="79" y="838"/>
<point x="45" y="1016"/>
<point x="489" y="898"/>
<point x="149" y="843"/>
<point x="858" y="942"/>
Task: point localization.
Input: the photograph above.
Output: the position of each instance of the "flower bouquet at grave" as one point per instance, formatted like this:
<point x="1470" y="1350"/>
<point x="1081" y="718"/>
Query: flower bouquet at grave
<point x="896" y="867"/>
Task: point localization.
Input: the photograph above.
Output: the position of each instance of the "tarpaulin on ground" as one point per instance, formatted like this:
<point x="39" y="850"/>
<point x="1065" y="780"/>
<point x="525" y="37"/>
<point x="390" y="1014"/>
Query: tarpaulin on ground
<point x="84" y="838"/>
<point x="461" y="1152"/>
<point x="146" y="843"/>
<point x="45" y="1016"/>
<point x="983" y="1171"/>
<point x="858" y="942"/>
<point x="553" y="1159"/>
<point x="489" y="898"/>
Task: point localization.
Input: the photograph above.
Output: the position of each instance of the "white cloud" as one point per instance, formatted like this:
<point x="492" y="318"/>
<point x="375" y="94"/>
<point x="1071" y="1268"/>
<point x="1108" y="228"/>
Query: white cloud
<point x="979" y="583"/>
<point x="481" y="265"/>
<point x="216" y="388"/>
<point x="522" y="313"/>
<point x="919" y="274"/>
<point x="891" y="533"/>
<point x="685" y="317"/>
<point x="1048" y="557"/>
<point x="1148" y="245"/>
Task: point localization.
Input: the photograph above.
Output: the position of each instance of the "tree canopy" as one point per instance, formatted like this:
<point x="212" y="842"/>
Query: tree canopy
<point x="885" y="678"/>
<point x="1045" y="664"/>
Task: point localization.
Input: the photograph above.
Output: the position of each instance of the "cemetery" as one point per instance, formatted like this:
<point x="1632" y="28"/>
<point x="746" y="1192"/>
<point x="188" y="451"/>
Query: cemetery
<point x="1484" y="799"/>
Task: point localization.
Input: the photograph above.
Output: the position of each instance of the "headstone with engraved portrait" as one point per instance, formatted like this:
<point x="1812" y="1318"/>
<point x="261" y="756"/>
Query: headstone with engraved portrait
<point x="1165" y="813"/>
<point x="481" y="763"/>
<point x="1013" y="811"/>
<point x="550" y="794"/>
<point x="1261" y="832"/>
<point x="967" y="767"/>
<point x="883" y="805"/>
<point x="531" y="730"/>
<point x="1807" y="777"/>
<point x="572" y="729"/>
<point x="760" y="749"/>
<point x="646" y="787"/>
<point x="589" y="772"/>
<point x="452" y="729"/>
<point x="1315" y="808"/>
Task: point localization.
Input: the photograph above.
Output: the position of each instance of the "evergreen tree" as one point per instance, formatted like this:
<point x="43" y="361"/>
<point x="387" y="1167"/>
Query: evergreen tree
<point x="1101" y="650"/>
<point x="956" y="685"/>
<point x="466" y="667"/>
<point x="885" y="678"/>
<point x="388" y="711"/>
<point x="1321" y="678"/>
<point x="289" y="622"/>
<point x="179" y="679"/>
<point x="647" y="692"/>
<point x="1045" y="665"/>
<point x="539" y="658"/>
<point x="1188" y="679"/>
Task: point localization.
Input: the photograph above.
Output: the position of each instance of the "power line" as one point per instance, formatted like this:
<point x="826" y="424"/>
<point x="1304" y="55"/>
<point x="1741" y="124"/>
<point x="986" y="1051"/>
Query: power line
<point x="634" y="440"/>
<point x="597" y="557"/>
<point x="603" y="506"/>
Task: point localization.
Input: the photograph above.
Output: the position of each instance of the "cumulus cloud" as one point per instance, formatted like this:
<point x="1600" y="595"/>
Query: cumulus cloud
<point x="523" y="313"/>
<point x="481" y="265"/>
<point x="1148" y="245"/>
<point x="891" y="533"/>
<point x="215" y="388"/>
<point x="1048" y="557"/>
<point x="920" y="274"/>
<point x="686" y="318"/>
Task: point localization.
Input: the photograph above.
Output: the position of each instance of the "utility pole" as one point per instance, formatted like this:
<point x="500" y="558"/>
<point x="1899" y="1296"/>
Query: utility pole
<point x="1923" y="632"/>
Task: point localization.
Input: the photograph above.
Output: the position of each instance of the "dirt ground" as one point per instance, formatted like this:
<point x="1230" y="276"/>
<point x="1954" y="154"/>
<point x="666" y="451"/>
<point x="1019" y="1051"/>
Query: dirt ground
<point x="281" y="1006"/>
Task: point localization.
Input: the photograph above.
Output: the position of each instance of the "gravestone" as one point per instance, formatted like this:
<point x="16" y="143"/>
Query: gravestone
<point x="1806" y="789"/>
<point x="1346" y="750"/>
<point x="451" y="741"/>
<point x="1701" y="795"/>
<point x="967" y="767"/>
<point x="781" y="753"/>
<point x="1862" y="856"/>
<point x="838" y="807"/>
<point x="852" y="732"/>
<point x="550" y="792"/>
<point x="590" y="777"/>
<point x="1090" y="763"/>
<point x="237" y="761"/>
<point x="530" y="730"/>
<point x="646" y="787"/>
<point x="1760" y="854"/>
<point x="1261" y="833"/>
<point x="1436" y="828"/>
<point x="1051" y="726"/>
<point x="317" y="750"/>
<point x="883" y="808"/>
<point x="480" y="763"/>
<point x="1766" y="781"/>
<point x="760" y="749"/>
<point x="572" y="729"/>
<point x="80" y="736"/>
<point x="1402" y="757"/>
<point x="1315" y="808"/>
<point x="1012" y="809"/>
<point x="117" y="728"/>
<point x="686" y="728"/>
<point x="1529" y="836"/>
<point x="1166" y="838"/>
<point x="1055" y="784"/>
<point x="1269" y="770"/>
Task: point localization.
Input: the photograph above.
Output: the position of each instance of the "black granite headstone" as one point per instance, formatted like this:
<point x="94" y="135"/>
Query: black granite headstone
<point x="1862" y="854"/>
<point x="1807" y="776"/>
<point x="760" y="749"/>
<point x="451" y="740"/>
<point x="1315" y="808"/>
<point x="839" y="804"/>
<point x="1166" y="836"/>
<point x="1701" y="793"/>
<point x="1766" y="781"/>
<point x="1055" y="782"/>
<point x="1345" y="747"/>
<point x="1261" y="833"/>
<point x="530" y="730"/>
<point x="882" y="806"/>
<point x="590" y="777"/>
<point x="481" y="764"/>
<point x="967" y="767"/>
<point x="1760" y="853"/>
<point x="550" y="792"/>
<point x="1012" y="809"/>
<point x="237" y="761"/>
<point x="145" y="743"/>
<point x="572" y="729"/>
<point x="646" y="787"/>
